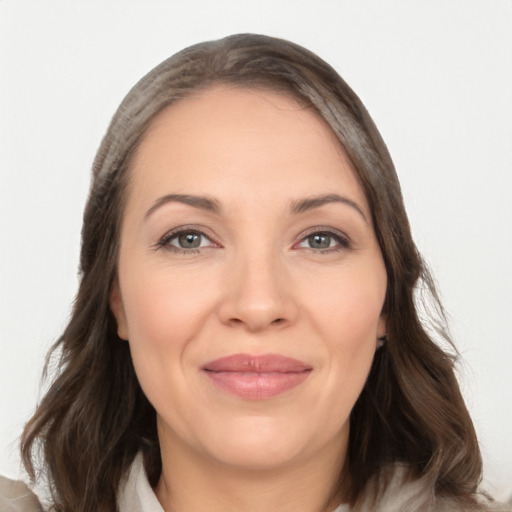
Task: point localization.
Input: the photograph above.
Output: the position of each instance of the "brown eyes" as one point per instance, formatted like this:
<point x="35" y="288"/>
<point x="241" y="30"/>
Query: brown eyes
<point x="192" y="241"/>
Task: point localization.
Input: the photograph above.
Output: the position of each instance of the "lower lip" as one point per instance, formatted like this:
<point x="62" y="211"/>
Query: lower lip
<point x="257" y="386"/>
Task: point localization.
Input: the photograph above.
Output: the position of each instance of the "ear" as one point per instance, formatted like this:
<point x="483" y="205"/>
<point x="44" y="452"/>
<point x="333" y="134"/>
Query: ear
<point x="382" y="330"/>
<point x="117" y="308"/>
<point x="382" y="326"/>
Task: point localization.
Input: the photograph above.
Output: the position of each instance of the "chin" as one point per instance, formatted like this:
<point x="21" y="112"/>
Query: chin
<point x="259" y="444"/>
<point x="256" y="456"/>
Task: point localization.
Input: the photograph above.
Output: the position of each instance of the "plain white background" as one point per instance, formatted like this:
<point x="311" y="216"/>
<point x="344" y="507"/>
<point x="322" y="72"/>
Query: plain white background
<point x="436" y="76"/>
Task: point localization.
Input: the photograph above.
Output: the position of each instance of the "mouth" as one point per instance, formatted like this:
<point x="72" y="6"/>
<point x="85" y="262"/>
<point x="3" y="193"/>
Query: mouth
<point x="256" y="377"/>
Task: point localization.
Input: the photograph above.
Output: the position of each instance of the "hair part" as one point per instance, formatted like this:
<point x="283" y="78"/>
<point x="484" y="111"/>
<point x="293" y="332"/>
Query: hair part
<point x="94" y="417"/>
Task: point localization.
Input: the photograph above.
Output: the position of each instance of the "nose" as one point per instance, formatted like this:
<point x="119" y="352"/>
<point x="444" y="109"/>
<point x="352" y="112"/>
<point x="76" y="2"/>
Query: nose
<point x="258" y="295"/>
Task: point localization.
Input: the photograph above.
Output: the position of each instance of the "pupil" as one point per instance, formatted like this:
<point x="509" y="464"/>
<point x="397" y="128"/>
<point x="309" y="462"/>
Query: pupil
<point x="319" y="241"/>
<point x="190" y="240"/>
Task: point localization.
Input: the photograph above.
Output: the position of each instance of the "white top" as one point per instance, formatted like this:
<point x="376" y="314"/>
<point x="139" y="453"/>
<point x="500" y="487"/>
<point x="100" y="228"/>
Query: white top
<point x="136" y="495"/>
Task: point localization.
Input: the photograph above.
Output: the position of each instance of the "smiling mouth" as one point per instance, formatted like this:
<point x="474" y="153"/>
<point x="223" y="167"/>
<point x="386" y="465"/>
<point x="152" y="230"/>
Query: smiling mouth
<point x="256" y="377"/>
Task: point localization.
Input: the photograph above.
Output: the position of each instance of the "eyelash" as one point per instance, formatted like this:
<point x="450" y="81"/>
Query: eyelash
<point x="343" y="242"/>
<point x="165" y="241"/>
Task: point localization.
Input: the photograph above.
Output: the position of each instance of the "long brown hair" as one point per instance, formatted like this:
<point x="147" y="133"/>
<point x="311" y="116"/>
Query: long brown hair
<point x="94" y="417"/>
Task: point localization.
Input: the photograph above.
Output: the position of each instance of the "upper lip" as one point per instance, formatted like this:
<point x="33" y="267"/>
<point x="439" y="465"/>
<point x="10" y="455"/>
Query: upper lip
<point x="266" y="363"/>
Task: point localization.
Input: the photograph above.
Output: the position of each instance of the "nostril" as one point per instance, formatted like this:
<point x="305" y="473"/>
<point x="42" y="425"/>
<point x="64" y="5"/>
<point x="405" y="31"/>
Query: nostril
<point x="278" y="321"/>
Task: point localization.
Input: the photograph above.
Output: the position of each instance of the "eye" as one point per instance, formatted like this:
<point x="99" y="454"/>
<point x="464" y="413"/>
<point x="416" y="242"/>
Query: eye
<point x="190" y="240"/>
<point x="325" y="241"/>
<point x="185" y="240"/>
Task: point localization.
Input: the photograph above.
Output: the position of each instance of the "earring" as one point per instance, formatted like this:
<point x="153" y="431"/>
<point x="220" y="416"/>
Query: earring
<point x="381" y="340"/>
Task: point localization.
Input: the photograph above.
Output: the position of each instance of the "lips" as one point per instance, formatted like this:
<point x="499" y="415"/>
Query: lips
<point x="256" y="377"/>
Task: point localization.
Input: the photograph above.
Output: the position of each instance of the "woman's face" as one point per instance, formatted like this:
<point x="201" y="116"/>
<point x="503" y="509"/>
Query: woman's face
<point x="250" y="282"/>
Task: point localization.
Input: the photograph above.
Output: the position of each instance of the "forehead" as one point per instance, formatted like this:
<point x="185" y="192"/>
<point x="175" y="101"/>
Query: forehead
<point x="251" y="141"/>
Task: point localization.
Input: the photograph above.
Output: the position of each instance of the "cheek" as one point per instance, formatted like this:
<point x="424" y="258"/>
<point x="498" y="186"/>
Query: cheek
<point x="351" y="343"/>
<point x="164" y="312"/>
<point x="347" y="318"/>
<point x="164" y="307"/>
<point x="349" y="307"/>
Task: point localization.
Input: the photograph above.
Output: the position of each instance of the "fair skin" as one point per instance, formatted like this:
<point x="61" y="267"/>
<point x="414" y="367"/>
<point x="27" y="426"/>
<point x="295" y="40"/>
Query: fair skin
<point x="277" y="257"/>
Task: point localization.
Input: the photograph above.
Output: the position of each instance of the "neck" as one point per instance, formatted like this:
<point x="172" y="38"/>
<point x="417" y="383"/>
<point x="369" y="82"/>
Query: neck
<point x="192" y="482"/>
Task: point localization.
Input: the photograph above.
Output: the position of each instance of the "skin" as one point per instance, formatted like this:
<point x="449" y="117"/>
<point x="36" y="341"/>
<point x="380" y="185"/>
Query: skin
<point x="259" y="283"/>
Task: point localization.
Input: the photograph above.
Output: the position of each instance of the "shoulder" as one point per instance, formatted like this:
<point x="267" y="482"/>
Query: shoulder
<point x="15" y="496"/>
<point x="402" y="493"/>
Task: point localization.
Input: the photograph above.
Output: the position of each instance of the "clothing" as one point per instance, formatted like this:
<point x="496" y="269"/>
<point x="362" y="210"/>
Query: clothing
<point x="136" y="495"/>
<point x="15" y="496"/>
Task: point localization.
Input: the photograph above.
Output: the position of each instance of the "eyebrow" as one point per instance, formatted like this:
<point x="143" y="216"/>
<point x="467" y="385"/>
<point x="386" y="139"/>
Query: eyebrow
<point x="310" y="203"/>
<point x="201" y="202"/>
<point x="212" y="205"/>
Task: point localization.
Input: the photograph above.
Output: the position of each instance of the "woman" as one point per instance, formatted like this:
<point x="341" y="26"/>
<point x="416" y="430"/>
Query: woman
<point x="245" y="335"/>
